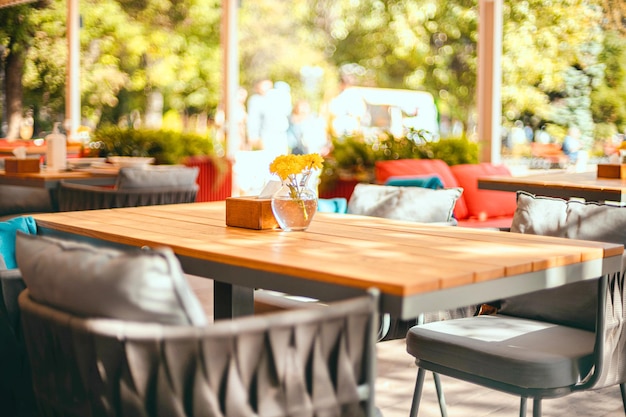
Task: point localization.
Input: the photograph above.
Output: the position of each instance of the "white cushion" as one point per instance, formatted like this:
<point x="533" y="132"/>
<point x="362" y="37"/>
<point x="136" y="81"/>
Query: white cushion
<point x="404" y="203"/>
<point x="135" y="285"/>
<point x="571" y="219"/>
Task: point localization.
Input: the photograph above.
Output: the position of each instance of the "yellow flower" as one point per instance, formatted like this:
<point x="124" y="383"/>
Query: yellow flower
<point x="286" y="165"/>
<point x="289" y="167"/>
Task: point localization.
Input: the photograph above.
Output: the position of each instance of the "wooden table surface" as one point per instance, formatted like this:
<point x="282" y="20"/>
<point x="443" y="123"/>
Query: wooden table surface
<point x="50" y="180"/>
<point x="562" y="184"/>
<point x="417" y="267"/>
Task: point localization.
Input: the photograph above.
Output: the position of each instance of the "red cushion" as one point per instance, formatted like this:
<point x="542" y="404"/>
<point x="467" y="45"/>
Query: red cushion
<point x="405" y="167"/>
<point x="484" y="204"/>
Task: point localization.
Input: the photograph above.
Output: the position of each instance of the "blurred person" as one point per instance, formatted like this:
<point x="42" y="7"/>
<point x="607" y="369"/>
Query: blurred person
<point x="571" y="144"/>
<point x="307" y="133"/>
<point x="241" y="115"/>
<point x="267" y="121"/>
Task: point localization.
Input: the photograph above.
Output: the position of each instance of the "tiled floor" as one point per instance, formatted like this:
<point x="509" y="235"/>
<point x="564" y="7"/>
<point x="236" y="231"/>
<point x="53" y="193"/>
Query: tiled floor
<point x="396" y="379"/>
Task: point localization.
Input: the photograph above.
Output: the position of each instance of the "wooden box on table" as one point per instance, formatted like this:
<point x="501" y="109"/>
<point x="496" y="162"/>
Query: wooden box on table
<point x="250" y="213"/>
<point x="611" y="170"/>
<point x="21" y="166"/>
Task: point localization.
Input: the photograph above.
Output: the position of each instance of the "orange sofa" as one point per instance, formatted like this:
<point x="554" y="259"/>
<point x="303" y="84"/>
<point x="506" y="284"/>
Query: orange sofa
<point x="475" y="208"/>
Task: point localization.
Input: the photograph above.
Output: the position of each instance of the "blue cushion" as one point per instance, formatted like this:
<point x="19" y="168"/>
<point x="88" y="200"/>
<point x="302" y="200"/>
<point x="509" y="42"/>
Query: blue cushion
<point x="8" y="230"/>
<point x="425" y="181"/>
<point x="332" y="205"/>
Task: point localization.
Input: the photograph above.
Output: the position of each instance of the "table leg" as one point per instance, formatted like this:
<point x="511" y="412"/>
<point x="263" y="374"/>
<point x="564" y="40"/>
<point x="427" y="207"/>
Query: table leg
<point x="232" y="300"/>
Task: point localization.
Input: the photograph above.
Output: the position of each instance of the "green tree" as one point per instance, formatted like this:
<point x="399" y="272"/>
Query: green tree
<point x="17" y="32"/>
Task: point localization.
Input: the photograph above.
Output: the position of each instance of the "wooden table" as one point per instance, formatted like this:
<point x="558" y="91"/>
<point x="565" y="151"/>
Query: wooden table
<point x="50" y="180"/>
<point x="417" y="267"/>
<point x="7" y="148"/>
<point x="565" y="185"/>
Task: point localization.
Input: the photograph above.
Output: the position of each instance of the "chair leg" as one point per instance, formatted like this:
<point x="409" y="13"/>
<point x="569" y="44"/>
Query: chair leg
<point x="622" y="388"/>
<point x="536" y="407"/>
<point x="522" y="407"/>
<point x="417" y="394"/>
<point x="440" y="397"/>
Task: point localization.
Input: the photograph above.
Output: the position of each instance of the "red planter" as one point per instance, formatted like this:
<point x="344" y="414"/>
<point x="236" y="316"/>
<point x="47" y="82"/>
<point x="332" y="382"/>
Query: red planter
<point x="341" y="188"/>
<point x="215" y="178"/>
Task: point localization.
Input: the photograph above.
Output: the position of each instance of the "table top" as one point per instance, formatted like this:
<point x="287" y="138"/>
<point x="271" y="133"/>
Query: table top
<point x="49" y="179"/>
<point x="561" y="184"/>
<point x="7" y="148"/>
<point x="404" y="260"/>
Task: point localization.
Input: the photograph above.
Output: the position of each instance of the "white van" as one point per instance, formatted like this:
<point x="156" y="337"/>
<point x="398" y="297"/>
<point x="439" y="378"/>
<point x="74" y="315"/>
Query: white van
<point x="371" y="110"/>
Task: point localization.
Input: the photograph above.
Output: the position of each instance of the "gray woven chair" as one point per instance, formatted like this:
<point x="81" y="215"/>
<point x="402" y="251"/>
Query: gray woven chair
<point x="544" y="344"/>
<point x="20" y="200"/>
<point x="304" y="362"/>
<point x="16" y="393"/>
<point x="133" y="188"/>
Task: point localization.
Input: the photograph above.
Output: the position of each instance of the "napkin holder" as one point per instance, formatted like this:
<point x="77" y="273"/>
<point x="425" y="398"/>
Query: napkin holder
<point x="21" y="165"/>
<point x="611" y="171"/>
<point x="250" y="213"/>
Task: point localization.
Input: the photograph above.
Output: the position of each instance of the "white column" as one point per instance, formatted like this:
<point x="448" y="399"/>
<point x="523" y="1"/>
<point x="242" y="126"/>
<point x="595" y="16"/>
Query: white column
<point x="489" y="79"/>
<point x="72" y="88"/>
<point x="230" y="47"/>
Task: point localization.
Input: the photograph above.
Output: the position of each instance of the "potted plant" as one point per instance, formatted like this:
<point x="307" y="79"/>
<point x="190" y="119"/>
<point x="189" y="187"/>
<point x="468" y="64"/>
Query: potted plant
<point x="353" y="158"/>
<point x="170" y="147"/>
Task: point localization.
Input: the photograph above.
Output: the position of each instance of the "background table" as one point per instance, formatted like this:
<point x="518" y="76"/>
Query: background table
<point x="417" y="267"/>
<point x="50" y="180"/>
<point x="565" y="185"/>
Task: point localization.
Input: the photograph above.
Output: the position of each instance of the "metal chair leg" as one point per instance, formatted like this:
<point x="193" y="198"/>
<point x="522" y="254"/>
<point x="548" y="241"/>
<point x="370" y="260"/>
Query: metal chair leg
<point x="522" y="407"/>
<point x="622" y="388"/>
<point x="440" y="397"/>
<point x="384" y="325"/>
<point x="417" y="394"/>
<point x="536" y="407"/>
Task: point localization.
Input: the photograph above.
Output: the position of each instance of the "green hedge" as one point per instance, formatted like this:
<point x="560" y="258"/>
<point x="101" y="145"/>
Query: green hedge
<point x="167" y="147"/>
<point x="356" y="156"/>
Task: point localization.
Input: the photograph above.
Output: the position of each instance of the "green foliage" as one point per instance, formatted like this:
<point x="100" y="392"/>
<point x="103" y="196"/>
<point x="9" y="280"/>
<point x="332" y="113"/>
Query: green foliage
<point x="355" y="156"/>
<point x="455" y="151"/>
<point x="130" y="48"/>
<point x="167" y="147"/>
<point x="358" y="155"/>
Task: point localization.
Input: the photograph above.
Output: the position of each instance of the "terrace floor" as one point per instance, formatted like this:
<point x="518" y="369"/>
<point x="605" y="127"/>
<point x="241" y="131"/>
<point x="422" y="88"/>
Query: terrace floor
<point x="396" y="379"/>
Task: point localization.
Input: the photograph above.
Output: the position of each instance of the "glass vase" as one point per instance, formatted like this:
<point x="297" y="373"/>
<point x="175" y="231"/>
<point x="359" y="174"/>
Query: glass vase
<point x="295" y="203"/>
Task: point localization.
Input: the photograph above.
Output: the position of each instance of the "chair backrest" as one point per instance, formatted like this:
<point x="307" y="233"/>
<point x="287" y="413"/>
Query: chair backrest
<point x="574" y="304"/>
<point x="581" y="304"/>
<point x="305" y="362"/>
<point x="404" y="203"/>
<point x="17" y="200"/>
<point x="134" y="187"/>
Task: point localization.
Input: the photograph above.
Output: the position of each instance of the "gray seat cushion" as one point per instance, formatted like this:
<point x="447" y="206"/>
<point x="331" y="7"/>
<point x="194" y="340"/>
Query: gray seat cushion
<point x="136" y="285"/>
<point x="404" y="203"/>
<point x="512" y="350"/>
<point x="19" y="200"/>
<point x="158" y="176"/>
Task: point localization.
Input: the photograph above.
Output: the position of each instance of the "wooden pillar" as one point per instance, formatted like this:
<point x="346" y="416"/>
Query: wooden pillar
<point x="230" y="48"/>
<point x="489" y="79"/>
<point x="72" y="87"/>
